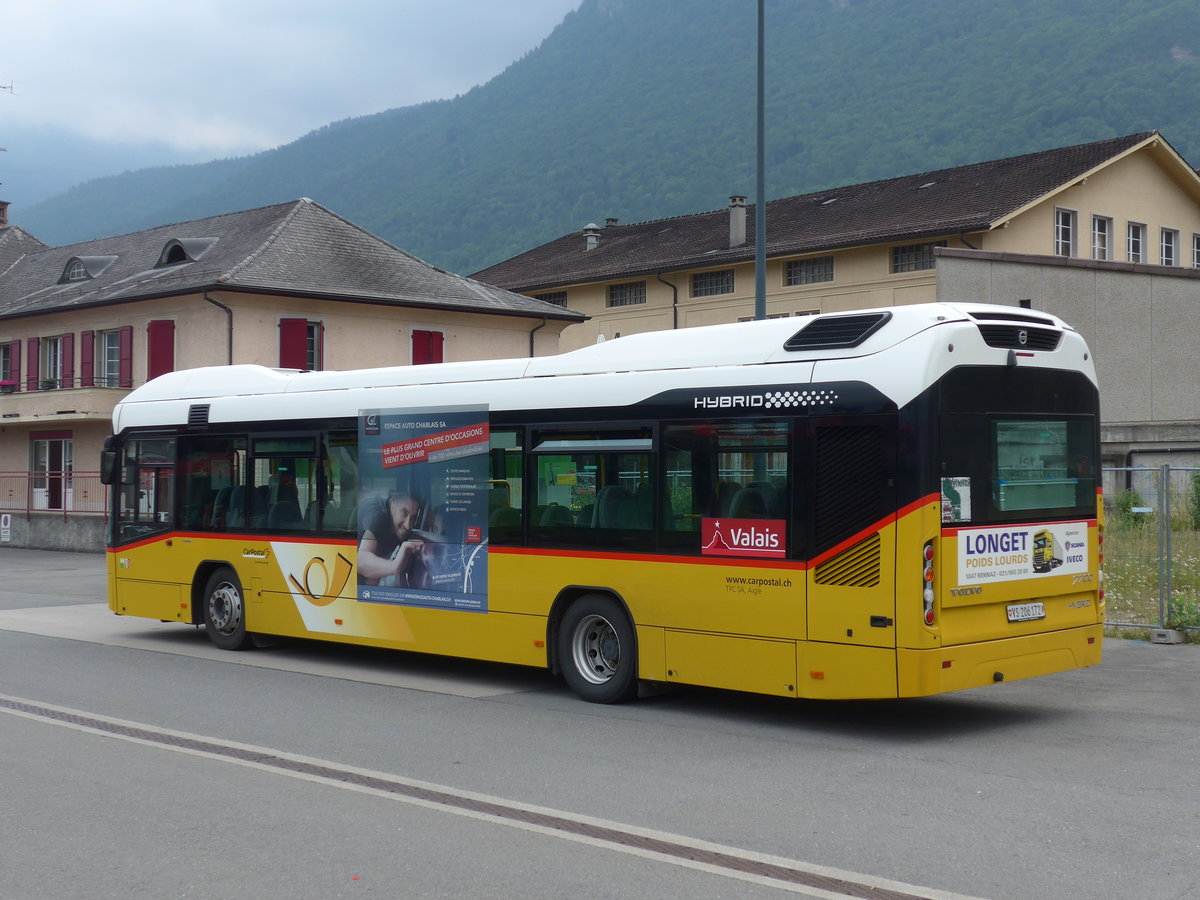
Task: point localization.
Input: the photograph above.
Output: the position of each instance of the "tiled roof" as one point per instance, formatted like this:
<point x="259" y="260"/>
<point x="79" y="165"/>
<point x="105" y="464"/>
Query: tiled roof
<point x="963" y="199"/>
<point x="297" y="248"/>
<point x="14" y="243"/>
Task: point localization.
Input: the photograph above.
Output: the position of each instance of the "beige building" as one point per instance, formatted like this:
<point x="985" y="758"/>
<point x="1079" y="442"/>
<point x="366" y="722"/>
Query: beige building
<point x="1105" y="234"/>
<point x="292" y="286"/>
<point x="1130" y="199"/>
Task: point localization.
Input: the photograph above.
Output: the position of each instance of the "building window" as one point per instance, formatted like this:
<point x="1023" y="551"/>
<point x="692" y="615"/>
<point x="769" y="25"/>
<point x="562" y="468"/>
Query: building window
<point x="301" y="344"/>
<point x="707" y="284"/>
<point x="51" y="462"/>
<point x="1101" y="237"/>
<point x="51" y="372"/>
<point x="1196" y="251"/>
<point x="427" y="347"/>
<point x="1135" y="242"/>
<point x="1064" y="232"/>
<point x="7" y="368"/>
<point x="629" y="294"/>
<point x="914" y="257"/>
<point x="1169" y="247"/>
<point x="76" y="271"/>
<point x="108" y="359"/>
<point x="813" y="270"/>
<point x="558" y="298"/>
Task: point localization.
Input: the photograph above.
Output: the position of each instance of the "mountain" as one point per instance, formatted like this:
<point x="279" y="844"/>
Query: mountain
<point x="642" y="109"/>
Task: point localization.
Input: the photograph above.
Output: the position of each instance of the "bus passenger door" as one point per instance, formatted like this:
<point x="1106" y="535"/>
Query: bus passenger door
<point x="850" y="491"/>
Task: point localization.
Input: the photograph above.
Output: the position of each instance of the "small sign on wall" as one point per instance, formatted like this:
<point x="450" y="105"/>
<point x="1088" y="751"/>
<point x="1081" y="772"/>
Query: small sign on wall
<point x="5" y="527"/>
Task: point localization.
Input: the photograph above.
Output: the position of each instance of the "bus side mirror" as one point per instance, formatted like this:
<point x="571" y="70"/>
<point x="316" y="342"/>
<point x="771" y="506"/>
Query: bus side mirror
<point x="108" y="466"/>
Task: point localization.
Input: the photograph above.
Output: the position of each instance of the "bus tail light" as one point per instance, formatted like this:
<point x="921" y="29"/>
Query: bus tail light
<point x="927" y="593"/>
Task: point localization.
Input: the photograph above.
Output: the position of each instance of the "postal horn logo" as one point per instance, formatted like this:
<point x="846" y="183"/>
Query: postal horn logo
<point x="330" y="587"/>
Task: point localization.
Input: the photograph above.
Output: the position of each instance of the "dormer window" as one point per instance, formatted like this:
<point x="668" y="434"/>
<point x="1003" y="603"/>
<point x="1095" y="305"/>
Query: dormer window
<point x="81" y="268"/>
<point x="183" y="250"/>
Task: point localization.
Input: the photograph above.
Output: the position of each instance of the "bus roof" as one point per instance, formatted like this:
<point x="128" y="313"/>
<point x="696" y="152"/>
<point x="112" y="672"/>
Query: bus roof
<point x="816" y="341"/>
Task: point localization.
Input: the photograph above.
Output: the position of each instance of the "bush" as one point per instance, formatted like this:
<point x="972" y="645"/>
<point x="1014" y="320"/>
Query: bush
<point x="1123" y="515"/>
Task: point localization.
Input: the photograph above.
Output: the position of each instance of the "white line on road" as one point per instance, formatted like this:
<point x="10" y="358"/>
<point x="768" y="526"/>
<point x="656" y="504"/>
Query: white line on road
<point x="786" y="874"/>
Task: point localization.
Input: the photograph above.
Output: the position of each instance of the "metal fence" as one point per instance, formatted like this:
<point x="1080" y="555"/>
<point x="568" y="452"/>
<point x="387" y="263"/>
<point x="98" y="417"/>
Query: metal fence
<point x="69" y="493"/>
<point x="1152" y="547"/>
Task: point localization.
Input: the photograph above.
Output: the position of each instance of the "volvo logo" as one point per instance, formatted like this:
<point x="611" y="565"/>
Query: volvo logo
<point x="1022" y="337"/>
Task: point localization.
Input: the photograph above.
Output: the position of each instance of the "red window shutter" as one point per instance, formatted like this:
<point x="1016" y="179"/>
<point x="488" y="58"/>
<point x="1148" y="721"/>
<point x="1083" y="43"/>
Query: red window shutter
<point x="33" y="360"/>
<point x="14" y="361"/>
<point x="87" y="359"/>
<point x="160" y="349"/>
<point x="68" y="360"/>
<point x="125" y="356"/>
<point x="426" y="347"/>
<point x="293" y="343"/>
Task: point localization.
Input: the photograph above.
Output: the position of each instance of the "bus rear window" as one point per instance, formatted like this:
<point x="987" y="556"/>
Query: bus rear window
<point x="1037" y="467"/>
<point x="1007" y="468"/>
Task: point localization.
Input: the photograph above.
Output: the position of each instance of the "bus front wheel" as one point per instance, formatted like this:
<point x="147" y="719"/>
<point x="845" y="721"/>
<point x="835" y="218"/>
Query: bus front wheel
<point x="225" y="611"/>
<point x="596" y="650"/>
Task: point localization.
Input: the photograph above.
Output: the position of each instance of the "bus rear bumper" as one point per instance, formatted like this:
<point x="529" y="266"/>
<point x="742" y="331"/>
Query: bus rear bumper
<point x="955" y="668"/>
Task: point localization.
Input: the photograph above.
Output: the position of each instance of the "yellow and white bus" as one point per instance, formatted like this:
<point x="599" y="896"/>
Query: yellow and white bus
<point x="840" y="506"/>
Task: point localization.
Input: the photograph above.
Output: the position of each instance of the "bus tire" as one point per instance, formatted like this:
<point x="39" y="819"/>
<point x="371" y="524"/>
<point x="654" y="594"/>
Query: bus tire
<point x="225" y="611"/>
<point x="597" y="650"/>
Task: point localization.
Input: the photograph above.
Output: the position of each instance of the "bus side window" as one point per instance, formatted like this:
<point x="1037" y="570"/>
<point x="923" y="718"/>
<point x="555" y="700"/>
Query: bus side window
<point x="214" y="474"/>
<point x="505" y="520"/>
<point x="736" y="469"/>
<point x="337" y="509"/>
<point x="593" y="488"/>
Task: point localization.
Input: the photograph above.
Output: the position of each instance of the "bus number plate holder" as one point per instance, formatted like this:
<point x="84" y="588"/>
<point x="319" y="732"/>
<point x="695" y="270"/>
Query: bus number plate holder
<point x="1026" y="612"/>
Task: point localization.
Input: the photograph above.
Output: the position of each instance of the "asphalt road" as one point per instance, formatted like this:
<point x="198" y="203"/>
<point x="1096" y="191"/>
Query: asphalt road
<point x="138" y="761"/>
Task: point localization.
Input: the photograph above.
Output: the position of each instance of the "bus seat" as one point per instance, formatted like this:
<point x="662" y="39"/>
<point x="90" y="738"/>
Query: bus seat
<point x="747" y="504"/>
<point x="615" y="508"/>
<point x="726" y="490"/>
<point x="285" y="514"/>
<point x="555" y="514"/>
<point x="770" y="497"/>
<point x="237" y="506"/>
<point x="220" y="507"/>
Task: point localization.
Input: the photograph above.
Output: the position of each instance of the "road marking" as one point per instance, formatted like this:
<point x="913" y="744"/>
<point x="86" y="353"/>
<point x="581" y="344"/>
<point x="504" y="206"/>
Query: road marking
<point x="95" y="623"/>
<point x="774" y="871"/>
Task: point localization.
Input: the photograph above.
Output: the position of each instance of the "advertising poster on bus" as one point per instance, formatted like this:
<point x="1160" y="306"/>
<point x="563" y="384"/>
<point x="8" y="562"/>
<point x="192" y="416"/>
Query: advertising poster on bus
<point x="422" y="516"/>
<point x="1022" y="551"/>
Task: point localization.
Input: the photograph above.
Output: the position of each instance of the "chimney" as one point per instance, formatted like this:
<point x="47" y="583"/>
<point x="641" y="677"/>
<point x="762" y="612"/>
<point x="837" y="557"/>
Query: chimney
<point x="610" y="222"/>
<point x="3" y="213"/>
<point x="591" y="234"/>
<point x="737" y="221"/>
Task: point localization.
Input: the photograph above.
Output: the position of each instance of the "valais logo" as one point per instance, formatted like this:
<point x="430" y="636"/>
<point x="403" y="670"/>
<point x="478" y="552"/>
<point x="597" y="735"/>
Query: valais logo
<point x="760" y="538"/>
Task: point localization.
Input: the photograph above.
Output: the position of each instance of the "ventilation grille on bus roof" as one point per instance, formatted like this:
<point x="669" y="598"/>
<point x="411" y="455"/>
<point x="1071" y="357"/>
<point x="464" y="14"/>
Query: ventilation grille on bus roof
<point x="835" y="332"/>
<point x="1014" y="337"/>
<point x="198" y="415"/>
<point x="1012" y="317"/>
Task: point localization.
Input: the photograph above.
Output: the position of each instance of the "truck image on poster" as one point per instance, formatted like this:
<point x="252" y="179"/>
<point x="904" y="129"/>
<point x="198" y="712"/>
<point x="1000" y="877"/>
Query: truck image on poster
<point x="1047" y="553"/>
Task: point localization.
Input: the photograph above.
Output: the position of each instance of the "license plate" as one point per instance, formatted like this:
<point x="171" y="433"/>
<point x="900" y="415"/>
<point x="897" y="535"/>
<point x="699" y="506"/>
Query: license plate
<point x="1026" y="612"/>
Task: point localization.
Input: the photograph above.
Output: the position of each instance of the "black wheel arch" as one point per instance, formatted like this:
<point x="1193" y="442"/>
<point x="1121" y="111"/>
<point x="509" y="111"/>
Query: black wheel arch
<point x="562" y="603"/>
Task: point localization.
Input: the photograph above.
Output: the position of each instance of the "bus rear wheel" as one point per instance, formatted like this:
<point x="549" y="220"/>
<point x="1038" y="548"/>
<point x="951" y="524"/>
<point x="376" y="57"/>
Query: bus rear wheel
<point x="597" y="651"/>
<point x="225" y="611"/>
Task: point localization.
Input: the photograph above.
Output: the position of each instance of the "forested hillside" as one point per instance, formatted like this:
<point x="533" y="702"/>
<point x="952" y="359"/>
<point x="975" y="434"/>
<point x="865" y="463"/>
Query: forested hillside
<point x="643" y="109"/>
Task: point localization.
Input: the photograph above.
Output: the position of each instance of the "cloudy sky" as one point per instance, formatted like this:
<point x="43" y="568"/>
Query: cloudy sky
<point x="213" y="78"/>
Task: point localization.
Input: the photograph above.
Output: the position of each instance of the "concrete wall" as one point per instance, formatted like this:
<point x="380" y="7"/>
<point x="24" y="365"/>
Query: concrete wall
<point x="1142" y="323"/>
<point x="54" y="531"/>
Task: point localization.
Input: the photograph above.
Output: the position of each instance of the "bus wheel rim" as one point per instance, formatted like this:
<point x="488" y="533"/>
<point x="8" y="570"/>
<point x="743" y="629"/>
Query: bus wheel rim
<point x="225" y="608"/>
<point x="596" y="649"/>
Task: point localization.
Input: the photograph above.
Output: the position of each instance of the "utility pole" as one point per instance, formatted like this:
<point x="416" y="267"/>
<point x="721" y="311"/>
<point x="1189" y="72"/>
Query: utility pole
<point x="760" y="202"/>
